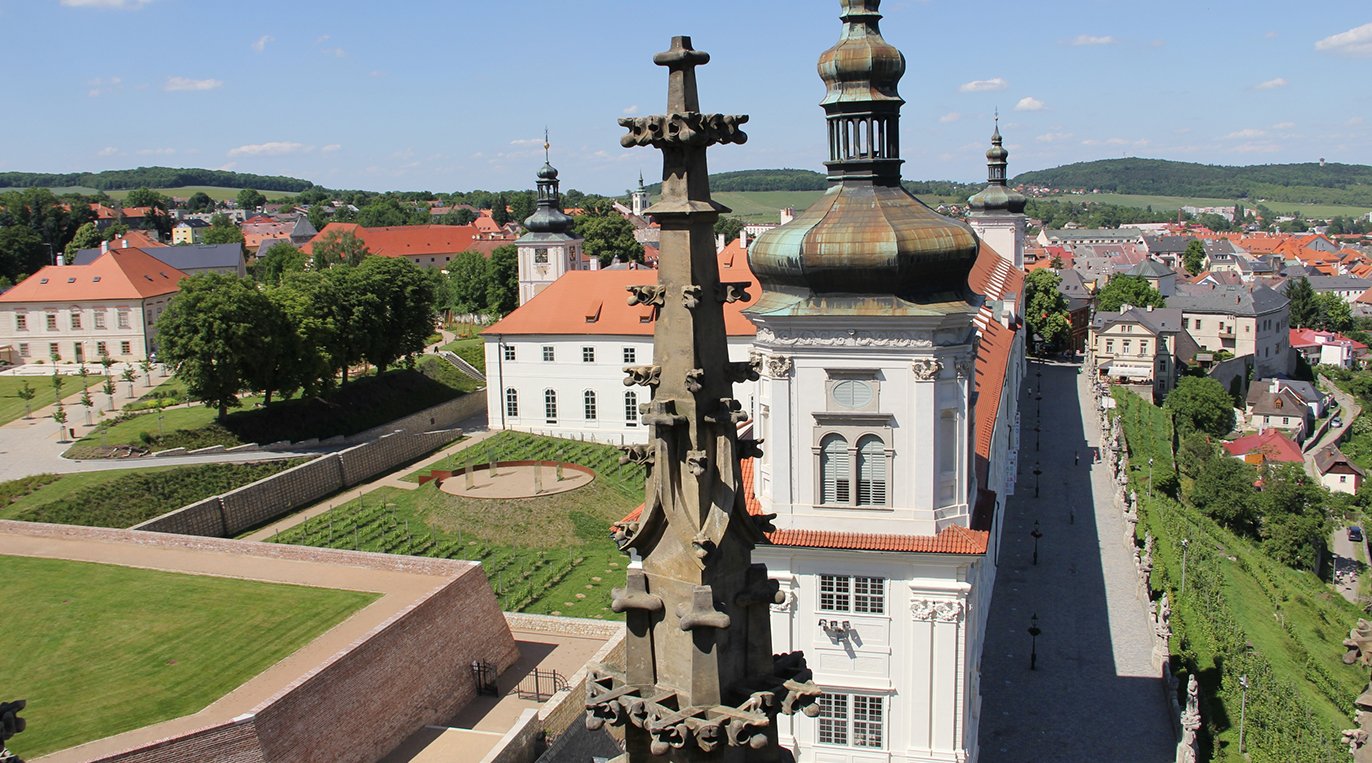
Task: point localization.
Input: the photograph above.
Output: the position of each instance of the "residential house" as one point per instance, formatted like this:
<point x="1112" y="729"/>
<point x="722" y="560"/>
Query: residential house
<point x="1138" y="347"/>
<point x="1267" y="445"/>
<point x="1337" y="473"/>
<point x="1238" y="320"/>
<point x="260" y="229"/>
<point x="79" y="313"/>
<point x="1075" y="236"/>
<point x="428" y="246"/>
<point x="191" y="260"/>
<point x="188" y="232"/>
<point x="1079" y="300"/>
<point x="1327" y="348"/>
<point x="1349" y="288"/>
<point x="1273" y="406"/>
<point x="1158" y="275"/>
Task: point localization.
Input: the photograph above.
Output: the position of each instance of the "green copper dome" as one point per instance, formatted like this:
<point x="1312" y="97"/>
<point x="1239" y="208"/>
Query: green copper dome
<point x="868" y="236"/>
<point x="997" y="196"/>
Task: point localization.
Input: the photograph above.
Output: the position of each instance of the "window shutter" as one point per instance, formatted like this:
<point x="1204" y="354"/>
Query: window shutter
<point x="871" y="471"/>
<point x="834" y="469"/>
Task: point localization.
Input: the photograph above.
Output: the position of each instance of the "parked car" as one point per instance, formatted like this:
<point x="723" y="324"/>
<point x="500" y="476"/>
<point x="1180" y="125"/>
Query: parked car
<point x="1336" y="422"/>
<point x="1355" y="534"/>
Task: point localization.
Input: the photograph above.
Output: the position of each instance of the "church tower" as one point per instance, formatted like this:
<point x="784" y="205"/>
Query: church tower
<point x="998" y="210"/>
<point x="550" y="248"/>
<point x="867" y="330"/>
<point x="638" y="200"/>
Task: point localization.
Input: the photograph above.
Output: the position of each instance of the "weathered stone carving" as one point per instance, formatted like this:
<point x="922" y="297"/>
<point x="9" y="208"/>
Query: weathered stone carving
<point x="690" y="296"/>
<point x="937" y="610"/>
<point x="1188" y="749"/>
<point x="851" y="338"/>
<point x="750" y="370"/>
<point x="732" y="291"/>
<point x="927" y="369"/>
<point x="693" y="378"/>
<point x="750" y="448"/>
<point x="677" y="130"/>
<point x="778" y="366"/>
<point x="1359" y="644"/>
<point x="636" y="454"/>
<point x="642" y="376"/>
<point x="646" y="294"/>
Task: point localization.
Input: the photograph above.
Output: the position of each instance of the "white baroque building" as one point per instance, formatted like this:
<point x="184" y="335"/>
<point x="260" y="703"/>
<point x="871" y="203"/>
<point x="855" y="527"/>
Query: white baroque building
<point x="549" y="249"/>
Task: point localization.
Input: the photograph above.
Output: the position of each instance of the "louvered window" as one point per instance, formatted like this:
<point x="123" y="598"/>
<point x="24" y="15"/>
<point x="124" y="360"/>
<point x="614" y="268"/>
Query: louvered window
<point x="835" y="471"/>
<point x="871" y="471"/>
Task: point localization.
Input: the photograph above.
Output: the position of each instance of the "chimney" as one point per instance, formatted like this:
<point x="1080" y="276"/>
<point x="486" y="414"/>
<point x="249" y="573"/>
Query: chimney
<point x="719" y="243"/>
<point x="104" y="246"/>
<point x="61" y="260"/>
<point x="124" y="243"/>
<point x="1150" y="308"/>
<point x="743" y="239"/>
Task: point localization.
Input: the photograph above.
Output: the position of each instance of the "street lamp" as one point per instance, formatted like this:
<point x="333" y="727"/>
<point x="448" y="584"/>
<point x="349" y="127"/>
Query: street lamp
<point x="1034" y="641"/>
<point x="1037" y="437"/>
<point x="1037" y="472"/>
<point x="1243" y="712"/>
<point x="1185" y="542"/>
<point x="1150" y="478"/>
<point x="1036" y="535"/>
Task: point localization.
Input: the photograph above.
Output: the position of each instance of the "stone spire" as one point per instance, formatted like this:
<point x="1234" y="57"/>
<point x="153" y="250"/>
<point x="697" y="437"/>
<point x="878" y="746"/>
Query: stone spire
<point x="700" y="680"/>
<point x="548" y="216"/>
<point x="997" y="196"/>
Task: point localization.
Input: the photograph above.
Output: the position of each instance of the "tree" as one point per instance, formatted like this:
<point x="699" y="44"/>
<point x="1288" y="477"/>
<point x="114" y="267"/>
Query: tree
<point x="500" y="211"/>
<point x="129" y="376"/>
<point x="222" y="231"/>
<point x="460" y="216"/>
<point x="387" y="211"/>
<point x="522" y="205"/>
<point x="469" y="283"/>
<point x="1127" y="290"/>
<point x="1302" y="308"/>
<point x="158" y="206"/>
<point x="303" y="300"/>
<point x="407" y="297"/>
<point x="108" y="388"/>
<point x="608" y="236"/>
<point x="1194" y="257"/>
<point x="1201" y="404"/>
<point x="145" y="197"/>
<point x="1046" y="311"/>
<point x="338" y="247"/>
<point x="1295" y="517"/>
<point x="502" y="288"/>
<point x="145" y="366"/>
<point x="87" y="403"/>
<point x="1332" y="313"/>
<point x="200" y="202"/>
<point x="27" y="393"/>
<point x="1224" y="492"/>
<point x="22" y="252"/>
<point x="59" y="414"/>
<point x="729" y="228"/>
<point x="210" y="334"/>
<point x="281" y="258"/>
<point x="250" y="199"/>
<point x="87" y="237"/>
<point x="1195" y="452"/>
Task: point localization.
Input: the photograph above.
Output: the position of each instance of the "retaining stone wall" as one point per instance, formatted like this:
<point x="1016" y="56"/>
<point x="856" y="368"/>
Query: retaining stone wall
<point x="232" y="742"/>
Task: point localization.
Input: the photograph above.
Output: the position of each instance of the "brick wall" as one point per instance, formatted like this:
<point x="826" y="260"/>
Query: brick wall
<point x="232" y="742"/>
<point x="559" y="713"/>
<point x="442" y="416"/>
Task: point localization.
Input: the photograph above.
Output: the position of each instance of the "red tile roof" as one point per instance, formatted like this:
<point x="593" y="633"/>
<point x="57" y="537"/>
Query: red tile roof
<point x="406" y="240"/>
<point x="595" y="302"/>
<point x="993" y="355"/>
<point x="1270" y="444"/>
<point x="118" y="274"/>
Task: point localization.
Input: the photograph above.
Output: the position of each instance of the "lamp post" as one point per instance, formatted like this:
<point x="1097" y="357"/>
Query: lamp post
<point x="1036" y="534"/>
<point x="1037" y="472"/>
<point x="1150" y="478"/>
<point x="1037" y="437"/>
<point x="1243" y="712"/>
<point x="1185" y="542"/>
<point x="1034" y="641"/>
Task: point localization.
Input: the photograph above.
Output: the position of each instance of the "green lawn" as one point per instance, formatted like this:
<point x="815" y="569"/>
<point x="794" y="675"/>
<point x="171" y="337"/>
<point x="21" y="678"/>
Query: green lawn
<point x="12" y="407"/>
<point x="549" y="555"/>
<point x="470" y="349"/>
<point x="100" y="649"/>
<point x="1162" y="203"/>
<point x="125" y="497"/>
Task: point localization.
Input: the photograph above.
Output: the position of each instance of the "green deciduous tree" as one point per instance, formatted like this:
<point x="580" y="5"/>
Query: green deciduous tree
<point x="729" y="227"/>
<point x="1194" y="256"/>
<point x="502" y="288"/>
<point x="210" y="332"/>
<point x="27" y="393"/>
<point x="250" y="199"/>
<point x="1127" y="290"/>
<point x="1332" y="313"/>
<point x="337" y="247"/>
<point x="283" y="257"/>
<point x="1201" y="404"/>
<point x="405" y="298"/>
<point x="1224" y="491"/>
<point x="199" y="202"/>
<point x="222" y="231"/>
<point x="86" y="237"/>
<point x="468" y="284"/>
<point x="1195" y="452"/>
<point x="22" y="252"/>
<point x="1303" y="310"/>
<point x="608" y="236"/>
<point x="387" y="210"/>
<point x="1046" y="308"/>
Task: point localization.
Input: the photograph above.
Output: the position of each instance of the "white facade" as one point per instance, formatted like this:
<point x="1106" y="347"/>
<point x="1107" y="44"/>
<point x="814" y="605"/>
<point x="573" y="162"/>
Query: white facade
<point x="542" y="262"/>
<point x="585" y="376"/>
<point x="82" y="332"/>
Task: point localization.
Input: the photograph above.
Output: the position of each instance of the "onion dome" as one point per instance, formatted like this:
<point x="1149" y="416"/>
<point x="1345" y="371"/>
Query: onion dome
<point x="868" y="236"/>
<point x="548" y="216"/>
<point x="997" y="196"/>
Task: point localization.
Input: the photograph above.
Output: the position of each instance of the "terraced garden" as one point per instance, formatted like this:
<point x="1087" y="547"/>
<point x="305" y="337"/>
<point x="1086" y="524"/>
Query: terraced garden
<point x="548" y="555"/>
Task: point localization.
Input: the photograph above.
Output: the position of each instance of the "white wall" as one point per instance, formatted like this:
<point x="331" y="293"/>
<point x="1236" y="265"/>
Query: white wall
<point x="140" y="333"/>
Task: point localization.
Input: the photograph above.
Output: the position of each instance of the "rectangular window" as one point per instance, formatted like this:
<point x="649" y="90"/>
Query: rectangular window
<point x="508" y="351"/>
<point x="76" y="321"/>
<point x="630" y="355"/>
<point x="21" y="322"/>
<point x="587" y="354"/>
<point x="547" y="353"/>
<point x="53" y="351"/>
<point x="23" y="349"/>
<point x="858" y="594"/>
<point x="1125" y="346"/>
<point x="630" y="409"/>
<point x="125" y="348"/>
<point x="833" y="719"/>
<point x="1109" y="347"/>
<point x="869" y="595"/>
<point x="52" y="321"/>
<point x="855" y="720"/>
<point x="123" y="320"/>
<point x="99" y="319"/>
<point x="867" y="721"/>
<point x="101" y="349"/>
<point x="1143" y="348"/>
<point x="835" y="594"/>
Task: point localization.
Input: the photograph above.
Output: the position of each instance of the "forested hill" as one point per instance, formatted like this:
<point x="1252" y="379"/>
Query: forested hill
<point x="807" y="180"/>
<point x="151" y="177"/>
<point x="1304" y="183"/>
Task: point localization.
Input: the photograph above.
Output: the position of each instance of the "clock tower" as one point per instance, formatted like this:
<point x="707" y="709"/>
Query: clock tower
<point x="550" y="248"/>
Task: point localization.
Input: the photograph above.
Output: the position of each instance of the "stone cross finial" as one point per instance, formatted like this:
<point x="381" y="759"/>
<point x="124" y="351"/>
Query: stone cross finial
<point x="681" y="60"/>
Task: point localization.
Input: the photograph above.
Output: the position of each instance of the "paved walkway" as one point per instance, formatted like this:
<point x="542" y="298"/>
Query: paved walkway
<point x="1094" y="695"/>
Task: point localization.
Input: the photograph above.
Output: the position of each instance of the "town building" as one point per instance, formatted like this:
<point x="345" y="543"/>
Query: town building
<point x="1327" y="348"/>
<point x="1273" y="405"/>
<point x="192" y="259"/>
<point x="1162" y="278"/>
<point x="1090" y="236"/>
<point x="1239" y="320"/>
<point x="188" y="231"/>
<point x="876" y="331"/>
<point x="1139" y="347"/>
<point x="550" y="249"/>
<point x="1337" y="473"/>
<point x="80" y="313"/>
<point x="1267" y="445"/>
<point x="428" y="246"/>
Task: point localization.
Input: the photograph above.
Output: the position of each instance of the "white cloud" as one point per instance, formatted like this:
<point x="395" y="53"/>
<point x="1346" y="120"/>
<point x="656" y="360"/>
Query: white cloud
<point x="104" y="86"/>
<point x="984" y="85"/>
<point x="631" y="109"/>
<point x="107" y="151"/>
<point x="1114" y="142"/>
<point x="261" y="43"/>
<point x="1052" y="137"/>
<point x="1245" y="133"/>
<point x="182" y="84"/>
<point x="122" y="5"/>
<point x="1355" y="42"/>
<point x="332" y="147"/>
<point x="270" y="148"/>
<point x="1091" y="39"/>
<point x="336" y="52"/>
<point x="949" y="118"/>
<point x="1284" y="126"/>
<point x="156" y="151"/>
<point x="1265" y="147"/>
<point x="527" y="142"/>
<point x="1271" y="84"/>
<point x="1029" y="103"/>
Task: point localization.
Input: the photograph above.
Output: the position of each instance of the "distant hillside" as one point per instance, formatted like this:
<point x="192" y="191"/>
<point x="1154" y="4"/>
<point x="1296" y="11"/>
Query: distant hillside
<point x="1307" y="183"/>
<point x="152" y="177"/>
<point x="744" y="181"/>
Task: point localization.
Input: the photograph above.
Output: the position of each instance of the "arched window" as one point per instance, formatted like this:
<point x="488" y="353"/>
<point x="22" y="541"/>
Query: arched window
<point x="834" y="470"/>
<point x="588" y="400"/>
<point x="511" y="403"/>
<point x="871" y="471"/>
<point x="630" y="409"/>
<point x="550" y="406"/>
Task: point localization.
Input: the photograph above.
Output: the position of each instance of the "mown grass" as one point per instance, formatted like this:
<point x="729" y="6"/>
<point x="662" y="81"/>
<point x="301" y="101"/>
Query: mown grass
<point x="550" y="555"/>
<point x="100" y="649"/>
<point x="12" y="406"/>
<point x="125" y="497"/>
<point x="471" y="349"/>
<point x="1165" y="203"/>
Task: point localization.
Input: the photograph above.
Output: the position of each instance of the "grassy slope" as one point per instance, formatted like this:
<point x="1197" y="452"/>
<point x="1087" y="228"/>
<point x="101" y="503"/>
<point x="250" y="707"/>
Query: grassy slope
<point x="1161" y="203"/>
<point x="218" y="193"/>
<point x="547" y="555"/>
<point x="100" y="649"/>
<point x="11" y="407"/>
<point x="764" y="206"/>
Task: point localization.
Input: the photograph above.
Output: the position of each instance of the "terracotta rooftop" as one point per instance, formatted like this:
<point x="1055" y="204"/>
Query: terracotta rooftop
<point x="993" y="355"/>
<point x="126" y="273"/>
<point x="1271" y="445"/>
<point x="595" y="302"/>
<point x="406" y="240"/>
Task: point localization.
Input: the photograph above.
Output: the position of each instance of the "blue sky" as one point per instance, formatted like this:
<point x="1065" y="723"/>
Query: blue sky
<point x="454" y="95"/>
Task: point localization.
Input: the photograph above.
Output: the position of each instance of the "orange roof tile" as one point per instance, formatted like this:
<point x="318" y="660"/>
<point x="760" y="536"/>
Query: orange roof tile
<point x="1270" y="444"/>
<point x="565" y="306"/>
<point x="406" y="240"/>
<point x="118" y="274"/>
<point x="993" y="356"/>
